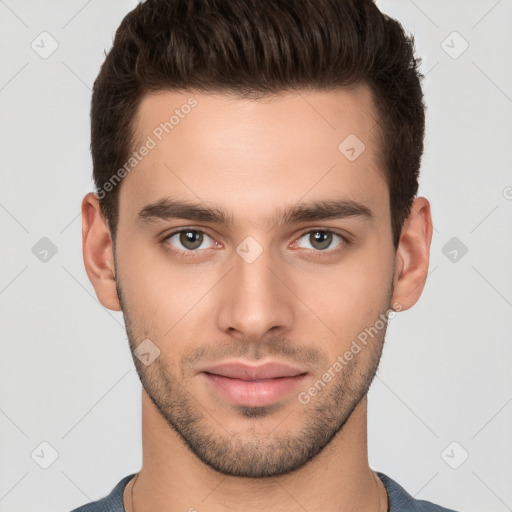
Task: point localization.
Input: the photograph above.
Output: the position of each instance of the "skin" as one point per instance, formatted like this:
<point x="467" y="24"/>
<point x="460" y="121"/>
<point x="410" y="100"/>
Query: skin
<point x="299" y="302"/>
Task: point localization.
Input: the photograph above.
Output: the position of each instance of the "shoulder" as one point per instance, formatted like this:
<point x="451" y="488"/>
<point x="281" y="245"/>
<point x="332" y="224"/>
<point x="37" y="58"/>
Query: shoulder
<point x="111" y="503"/>
<point x="401" y="501"/>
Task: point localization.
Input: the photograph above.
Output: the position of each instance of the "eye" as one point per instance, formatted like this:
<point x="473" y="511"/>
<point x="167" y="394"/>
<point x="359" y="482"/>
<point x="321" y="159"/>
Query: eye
<point x="188" y="240"/>
<point x="320" y="239"/>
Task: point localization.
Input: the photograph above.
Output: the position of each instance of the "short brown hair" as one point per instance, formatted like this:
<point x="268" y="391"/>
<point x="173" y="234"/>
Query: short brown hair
<point x="254" y="48"/>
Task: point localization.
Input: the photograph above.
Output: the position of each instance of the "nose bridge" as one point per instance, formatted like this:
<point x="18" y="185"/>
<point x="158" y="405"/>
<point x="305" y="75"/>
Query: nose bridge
<point x="255" y="300"/>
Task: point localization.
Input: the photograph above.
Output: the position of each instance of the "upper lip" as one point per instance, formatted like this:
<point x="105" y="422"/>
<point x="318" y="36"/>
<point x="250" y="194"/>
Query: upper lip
<point x="244" y="371"/>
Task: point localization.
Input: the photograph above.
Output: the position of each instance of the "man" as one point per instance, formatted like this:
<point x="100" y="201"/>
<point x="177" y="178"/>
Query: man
<point x="256" y="221"/>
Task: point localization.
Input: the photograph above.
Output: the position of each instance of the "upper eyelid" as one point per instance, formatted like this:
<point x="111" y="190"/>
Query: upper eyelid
<point x="182" y="229"/>
<point x="323" y="230"/>
<point x="344" y="239"/>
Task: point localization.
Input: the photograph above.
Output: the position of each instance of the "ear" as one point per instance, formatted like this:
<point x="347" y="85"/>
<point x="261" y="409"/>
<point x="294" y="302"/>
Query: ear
<point x="97" y="252"/>
<point x="412" y="256"/>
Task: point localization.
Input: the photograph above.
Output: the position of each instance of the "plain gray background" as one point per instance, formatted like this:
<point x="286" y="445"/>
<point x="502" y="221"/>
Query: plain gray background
<point x="443" y="391"/>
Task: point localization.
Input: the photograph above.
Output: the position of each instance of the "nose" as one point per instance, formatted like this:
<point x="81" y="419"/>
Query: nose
<point x="256" y="299"/>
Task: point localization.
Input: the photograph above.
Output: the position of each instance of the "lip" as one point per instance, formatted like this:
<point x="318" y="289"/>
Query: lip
<point x="254" y="386"/>
<point x="244" y="371"/>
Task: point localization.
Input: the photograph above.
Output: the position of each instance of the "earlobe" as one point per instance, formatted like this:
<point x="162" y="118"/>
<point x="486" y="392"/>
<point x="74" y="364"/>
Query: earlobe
<point x="97" y="253"/>
<point x="412" y="255"/>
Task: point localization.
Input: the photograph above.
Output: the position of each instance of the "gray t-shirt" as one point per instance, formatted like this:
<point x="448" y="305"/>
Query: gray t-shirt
<point x="399" y="499"/>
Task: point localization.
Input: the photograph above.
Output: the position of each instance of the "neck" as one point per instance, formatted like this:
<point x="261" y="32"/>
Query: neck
<point x="173" y="479"/>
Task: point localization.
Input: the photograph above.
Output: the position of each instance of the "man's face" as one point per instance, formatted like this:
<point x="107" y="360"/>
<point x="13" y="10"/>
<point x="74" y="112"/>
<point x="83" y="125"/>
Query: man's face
<point x="262" y="288"/>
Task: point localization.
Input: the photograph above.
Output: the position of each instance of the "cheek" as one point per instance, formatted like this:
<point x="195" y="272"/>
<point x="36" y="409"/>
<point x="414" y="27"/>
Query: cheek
<point x="348" y="297"/>
<point x="167" y="301"/>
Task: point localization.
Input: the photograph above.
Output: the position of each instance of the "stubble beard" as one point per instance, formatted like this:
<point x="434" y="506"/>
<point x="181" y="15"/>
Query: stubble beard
<point x="248" y="453"/>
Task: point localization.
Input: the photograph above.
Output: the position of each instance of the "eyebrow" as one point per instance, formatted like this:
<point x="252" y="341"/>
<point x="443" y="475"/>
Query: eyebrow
<point x="168" y="208"/>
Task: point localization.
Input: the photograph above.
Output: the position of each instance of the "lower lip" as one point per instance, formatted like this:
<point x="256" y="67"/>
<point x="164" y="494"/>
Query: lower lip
<point x="253" y="393"/>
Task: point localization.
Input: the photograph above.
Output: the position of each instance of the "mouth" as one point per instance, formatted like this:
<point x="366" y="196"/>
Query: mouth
<point x="253" y="386"/>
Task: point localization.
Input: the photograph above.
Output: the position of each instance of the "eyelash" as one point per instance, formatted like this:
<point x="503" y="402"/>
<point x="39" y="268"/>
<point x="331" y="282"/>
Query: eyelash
<point x="194" y="253"/>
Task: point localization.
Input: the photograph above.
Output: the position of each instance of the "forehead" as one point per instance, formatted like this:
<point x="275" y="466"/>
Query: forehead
<point x="252" y="154"/>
